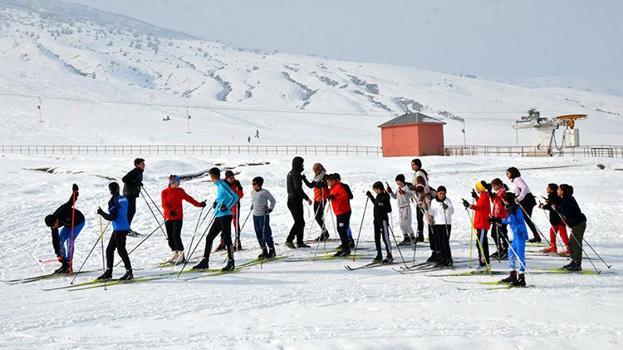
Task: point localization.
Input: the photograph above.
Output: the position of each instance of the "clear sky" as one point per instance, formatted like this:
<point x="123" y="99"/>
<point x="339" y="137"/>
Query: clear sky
<point x="502" y="39"/>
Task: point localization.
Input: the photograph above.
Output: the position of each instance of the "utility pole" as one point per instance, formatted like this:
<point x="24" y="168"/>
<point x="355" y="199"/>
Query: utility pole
<point x="39" y="108"/>
<point x="188" y="121"/>
<point x="464" y="136"/>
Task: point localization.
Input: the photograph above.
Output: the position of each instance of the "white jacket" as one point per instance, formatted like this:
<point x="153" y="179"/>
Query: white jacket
<point x="520" y="188"/>
<point x="403" y="200"/>
<point x="439" y="215"/>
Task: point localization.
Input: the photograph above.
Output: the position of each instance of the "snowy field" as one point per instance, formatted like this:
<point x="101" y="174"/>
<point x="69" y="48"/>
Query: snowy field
<point x="301" y="305"/>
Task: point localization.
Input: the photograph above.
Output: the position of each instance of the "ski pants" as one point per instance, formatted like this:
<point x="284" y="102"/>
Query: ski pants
<point x="319" y="207"/>
<point x="174" y="234"/>
<point x="263" y="232"/>
<point x="66" y="241"/>
<point x="295" y="205"/>
<point x="220" y="225"/>
<point x="441" y="234"/>
<point x="499" y="234"/>
<point x="131" y="208"/>
<point x="381" y="230"/>
<point x="117" y="241"/>
<point x="528" y="204"/>
<point x="343" y="224"/>
<point x="405" y="221"/>
<point x="561" y="229"/>
<point x="483" y="247"/>
<point x="518" y="252"/>
<point x="575" y="242"/>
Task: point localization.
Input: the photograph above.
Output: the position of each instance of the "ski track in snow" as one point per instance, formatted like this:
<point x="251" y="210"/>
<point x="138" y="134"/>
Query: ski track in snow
<point x="294" y="305"/>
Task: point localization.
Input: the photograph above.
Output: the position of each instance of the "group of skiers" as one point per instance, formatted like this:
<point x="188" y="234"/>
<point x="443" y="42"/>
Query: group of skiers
<point x="495" y="207"/>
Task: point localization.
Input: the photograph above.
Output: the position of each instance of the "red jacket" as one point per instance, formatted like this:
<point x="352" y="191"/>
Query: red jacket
<point x="482" y="210"/>
<point x="172" y="202"/>
<point x="321" y="193"/>
<point x="237" y="188"/>
<point x="341" y="199"/>
<point x="498" y="210"/>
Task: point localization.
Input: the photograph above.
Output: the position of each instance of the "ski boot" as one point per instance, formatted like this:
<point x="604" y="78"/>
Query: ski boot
<point x="575" y="267"/>
<point x="302" y="245"/>
<point x="406" y="241"/>
<point x="128" y="276"/>
<point x="230" y="266"/>
<point x="107" y="275"/>
<point x="204" y="264"/>
<point x="377" y="259"/>
<point x="237" y="245"/>
<point x="324" y="236"/>
<point x="264" y="254"/>
<point x="535" y="240"/>
<point x="420" y="237"/>
<point x="290" y="245"/>
<point x="221" y="246"/>
<point x="351" y="243"/>
<point x="432" y="258"/>
<point x="568" y="266"/>
<point x="271" y="253"/>
<point x="448" y="263"/>
<point x="504" y="255"/>
<point x="342" y="253"/>
<point x="512" y="278"/>
<point x="173" y="258"/>
<point x="389" y="259"/>
<point x="520" y="282"/>
<point x="550" y="249"/>
<point x="64" y="268"/>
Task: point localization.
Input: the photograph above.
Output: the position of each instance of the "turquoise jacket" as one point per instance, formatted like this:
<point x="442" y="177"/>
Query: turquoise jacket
<point x="224" y="196"/>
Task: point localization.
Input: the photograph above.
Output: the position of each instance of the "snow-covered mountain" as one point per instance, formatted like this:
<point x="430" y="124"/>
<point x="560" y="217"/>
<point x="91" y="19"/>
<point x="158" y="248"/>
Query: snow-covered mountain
<point x="55" y="49"/>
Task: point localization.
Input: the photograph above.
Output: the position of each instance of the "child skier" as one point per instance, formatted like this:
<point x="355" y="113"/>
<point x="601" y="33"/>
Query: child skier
<point x="556" y="225"/>
<point x="441" y="211"/>
<point x="321" y="193"/>
<point x="226" y="199"/>
<point x="382" y="207"/>
<point x="422" y="201"/>
<point x="132" y="184"/>
<point x="72" y="221"/>
<point x="340" y="202"/>
<point x="572" y="216"/>
<point x="236" y="186"/>
<point x="403" y="197"/>
<point x="499" y="232"/>
<point x="118" y="214"/>
<point x="349" y="232"/>
<point x="517" y="223"/>
<point x="482" y="210"/>
<point x="261" y="208"/>
<point x="296" y="196"/>
<point x="420" y="176"/>
<point x="172" y="198"/>
<point x="525" y="199"/>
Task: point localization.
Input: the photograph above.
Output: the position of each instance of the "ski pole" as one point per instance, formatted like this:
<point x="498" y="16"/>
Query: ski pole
<point x="197" y="245"/>
<point x="154" y="215"/>
<point x="398" y="247"/>
<point x="324" y="227"/>
<point x="600" y="258"/>
<point x="141" y="242"/>
<point x="101" y="237"/>
<point x="73" y="221"/>
<point x="471" y="237"/>
<point x="580" y="243"/>
<point x="199" y="224"/>
<point x="479" y="245"/>
<point x="365" y="207"/>
<point x="314" y="218"/>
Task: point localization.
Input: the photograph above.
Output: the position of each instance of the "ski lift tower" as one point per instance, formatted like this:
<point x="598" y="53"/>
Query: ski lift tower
<point x="546" y="130"/>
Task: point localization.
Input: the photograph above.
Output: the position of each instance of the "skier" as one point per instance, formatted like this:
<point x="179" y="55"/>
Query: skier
<point x="382" y="207"/>
<point x="420" y="176"/>
<point x="482" y="210"/>
<point x="525" y="199"/>
<point x="172" y="198"/>
<point x="257" y="134"/>
<point x="556" y="225"/>
<point x="118" y="214"/>
<point x="226" y="199"/>
<point x="237" y="188"/>
<point x="441" y="211"/>
<point x="499" y="233"/>
<point x="321" y="193"/>
<point x="403" y="197"/>
<point x="72" y="221"/>
<point x="132" y="184"/>
<point x="260" y="199"/>
<point x="296" y="196"/>
<point x="572" y="216"/>
<point x="340" y="202"/>
<point x="349" y="232"/>
<point x="517" y="223"/>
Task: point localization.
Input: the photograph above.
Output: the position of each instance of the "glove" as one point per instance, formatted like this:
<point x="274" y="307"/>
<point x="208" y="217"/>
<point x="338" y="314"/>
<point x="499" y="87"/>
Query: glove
<point x="444" y="206"/>
<point x="74" y="188"/>
<point x="493" y="195"/>
<point x="389" y="189"/>
<point x="214" y="205"/>
<point x="465" y="204"/>
<point x="474" y="194"/>
<point x="100" y="211"/>
<point x="173" y="213"/>
<point x="369" y="194"/>
<point x="268" y="211"/>
<point x="223" y="207"/>
<point x="331" y="197"/>
<point x="203" y="204"/>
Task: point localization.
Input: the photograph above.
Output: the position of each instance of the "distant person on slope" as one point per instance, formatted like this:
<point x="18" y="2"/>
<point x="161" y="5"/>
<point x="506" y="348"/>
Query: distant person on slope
<point x="172" y="198"/>
<point x="72" y="221"/>
<point x="226" y="199"/>
<point x="526" y="200"/>
<point x="296" y="196"/>
<point x="340" y="202"/>
<point x="382" y="207"/>
<point x="132" y="184"/>
<point x="321" y="193"/>
<point x="118" y="214"/>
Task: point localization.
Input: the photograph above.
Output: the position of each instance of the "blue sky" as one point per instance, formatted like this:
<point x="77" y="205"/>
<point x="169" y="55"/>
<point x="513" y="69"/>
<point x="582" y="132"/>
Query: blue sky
<point x="500" y="39"/>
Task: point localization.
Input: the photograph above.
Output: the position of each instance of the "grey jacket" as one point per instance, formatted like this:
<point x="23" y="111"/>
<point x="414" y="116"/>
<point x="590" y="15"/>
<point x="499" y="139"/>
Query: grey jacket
<point x="260" y="202"/>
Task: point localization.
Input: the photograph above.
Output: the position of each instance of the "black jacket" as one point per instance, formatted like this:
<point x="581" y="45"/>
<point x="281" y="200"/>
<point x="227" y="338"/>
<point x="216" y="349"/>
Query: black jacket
<point x="294" y="181"/>
<point x="553" y="201"/>
<point x="382" y="206"/>
<point x="570" y="211"/>
<point x="64" y="213"/>
<point x="132" y="182"/>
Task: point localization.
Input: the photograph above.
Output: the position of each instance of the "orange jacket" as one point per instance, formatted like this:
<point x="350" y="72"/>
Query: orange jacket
<point x="340" y="200"/>
<point x="482" y="210"/>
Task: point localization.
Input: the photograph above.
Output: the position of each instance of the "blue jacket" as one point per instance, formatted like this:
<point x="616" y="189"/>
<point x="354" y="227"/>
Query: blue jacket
<point x="517" y="223"/>
<point x="118" y="213"/>
<point x="224" y="196"/>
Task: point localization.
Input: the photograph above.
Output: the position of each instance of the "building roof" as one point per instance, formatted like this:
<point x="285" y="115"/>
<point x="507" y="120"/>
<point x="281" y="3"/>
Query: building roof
<point x="411" y="118"/>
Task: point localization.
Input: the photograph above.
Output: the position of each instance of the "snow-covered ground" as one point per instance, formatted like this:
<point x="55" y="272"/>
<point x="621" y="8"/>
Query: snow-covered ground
<point x="298" y="305"/>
